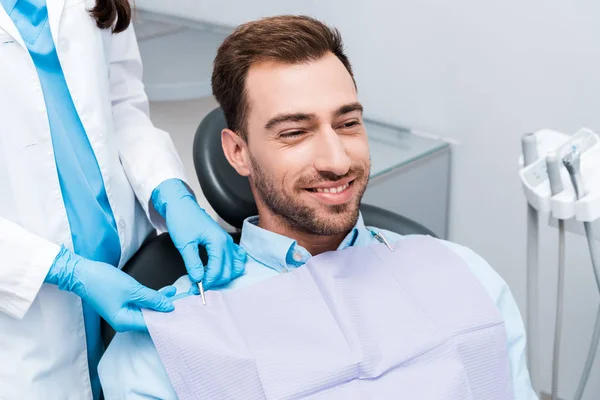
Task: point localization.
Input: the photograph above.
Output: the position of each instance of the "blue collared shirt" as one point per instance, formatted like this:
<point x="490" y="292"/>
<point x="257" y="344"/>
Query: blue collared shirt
<point x="131" y="368"/>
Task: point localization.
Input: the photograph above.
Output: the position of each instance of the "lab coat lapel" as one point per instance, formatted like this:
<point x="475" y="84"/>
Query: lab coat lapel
<point x="55" y="8"/>
<point x="7" y="24"/>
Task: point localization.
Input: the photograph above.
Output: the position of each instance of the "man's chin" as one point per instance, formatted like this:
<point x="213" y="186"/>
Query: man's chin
<point x="336" y="222"/>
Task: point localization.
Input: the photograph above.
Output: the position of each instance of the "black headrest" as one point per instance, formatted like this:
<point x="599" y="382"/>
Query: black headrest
<point x="227" y="192"/>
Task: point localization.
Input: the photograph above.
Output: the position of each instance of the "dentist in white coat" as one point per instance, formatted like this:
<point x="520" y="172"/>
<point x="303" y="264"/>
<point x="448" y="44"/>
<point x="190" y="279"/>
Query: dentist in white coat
<point x="84" y="179"/>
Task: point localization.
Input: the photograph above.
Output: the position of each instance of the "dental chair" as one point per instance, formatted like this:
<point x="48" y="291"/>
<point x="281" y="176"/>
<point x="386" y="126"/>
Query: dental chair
<point x="158" y="263"/>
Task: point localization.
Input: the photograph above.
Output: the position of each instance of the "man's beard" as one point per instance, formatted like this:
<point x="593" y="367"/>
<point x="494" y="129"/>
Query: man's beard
<point x="324" y="220"/>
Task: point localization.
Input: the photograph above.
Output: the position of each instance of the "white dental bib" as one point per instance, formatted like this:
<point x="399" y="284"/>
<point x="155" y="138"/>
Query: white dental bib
<point x="359" y="323"/>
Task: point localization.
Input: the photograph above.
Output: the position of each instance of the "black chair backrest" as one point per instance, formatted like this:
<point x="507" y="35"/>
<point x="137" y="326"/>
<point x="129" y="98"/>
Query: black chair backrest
<point x="227" y="192"/>
<point x="381" y="218"/>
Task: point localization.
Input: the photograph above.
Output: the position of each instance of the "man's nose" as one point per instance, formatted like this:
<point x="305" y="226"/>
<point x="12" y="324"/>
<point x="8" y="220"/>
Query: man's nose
<point x="331" y="153"/>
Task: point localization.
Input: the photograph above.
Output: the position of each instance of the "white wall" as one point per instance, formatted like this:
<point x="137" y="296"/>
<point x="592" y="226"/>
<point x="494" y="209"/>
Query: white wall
<point x="481" y="72"/>
<point x="181" y="119"/>
<point x="485" y="72"/>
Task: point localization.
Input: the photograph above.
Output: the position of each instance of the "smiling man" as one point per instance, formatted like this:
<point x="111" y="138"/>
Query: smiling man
<point x="306" y="154"/>
<point x="296" y="131"/>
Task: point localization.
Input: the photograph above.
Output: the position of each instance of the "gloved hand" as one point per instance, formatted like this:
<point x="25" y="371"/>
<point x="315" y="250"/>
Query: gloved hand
<point x="113" y="294"/>
<point x="189" y="226"/>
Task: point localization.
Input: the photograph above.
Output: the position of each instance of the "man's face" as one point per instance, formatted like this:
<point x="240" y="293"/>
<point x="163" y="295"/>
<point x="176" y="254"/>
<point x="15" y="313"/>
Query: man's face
<point x="308" y="152"/>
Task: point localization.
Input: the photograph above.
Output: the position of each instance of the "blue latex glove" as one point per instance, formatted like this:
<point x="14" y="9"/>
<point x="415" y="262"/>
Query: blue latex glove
<point x="113" y="294"/>
<point x="189" y="226"/>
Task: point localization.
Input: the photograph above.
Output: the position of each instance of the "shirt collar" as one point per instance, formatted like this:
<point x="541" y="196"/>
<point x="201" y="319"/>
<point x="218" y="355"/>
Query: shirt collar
<point x="280" y="252"/>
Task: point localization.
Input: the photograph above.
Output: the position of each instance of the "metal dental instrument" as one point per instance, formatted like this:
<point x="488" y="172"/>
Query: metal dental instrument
<point x="201" y="289"/>
<point x="382" y="239"/>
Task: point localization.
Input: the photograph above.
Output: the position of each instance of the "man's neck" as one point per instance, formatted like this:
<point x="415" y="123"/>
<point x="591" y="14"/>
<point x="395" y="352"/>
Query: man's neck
<point x="314" y="244"/>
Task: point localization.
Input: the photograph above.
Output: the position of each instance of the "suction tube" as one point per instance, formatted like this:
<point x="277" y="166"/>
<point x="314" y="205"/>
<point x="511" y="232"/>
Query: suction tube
<point x="553" y="167"/>
<point x="572" y="162"/>
<point x="529" y="145"/>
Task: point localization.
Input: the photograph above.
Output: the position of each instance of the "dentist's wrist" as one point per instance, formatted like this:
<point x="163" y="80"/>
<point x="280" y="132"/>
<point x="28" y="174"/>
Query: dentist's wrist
<point x="66" y="272"/>
<point x="62" y="268"/>
<point x="169" y="191"/>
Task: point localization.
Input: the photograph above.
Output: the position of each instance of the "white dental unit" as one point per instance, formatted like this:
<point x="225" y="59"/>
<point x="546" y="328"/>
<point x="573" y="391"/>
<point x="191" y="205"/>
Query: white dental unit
<point x="560" y="175"/>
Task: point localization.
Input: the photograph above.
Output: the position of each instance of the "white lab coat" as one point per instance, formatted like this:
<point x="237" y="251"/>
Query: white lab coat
<point x="42" y="336"/>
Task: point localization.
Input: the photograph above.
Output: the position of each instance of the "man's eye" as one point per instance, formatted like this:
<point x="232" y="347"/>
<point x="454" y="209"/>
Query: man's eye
<point x="289" y="135"/>
<point x="350" y="124"/>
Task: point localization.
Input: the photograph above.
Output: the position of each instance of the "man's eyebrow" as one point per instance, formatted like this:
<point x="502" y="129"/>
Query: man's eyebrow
<point x="348" y="108"/>
<point x="281" y="118"/>
<point x="300" y="117"/>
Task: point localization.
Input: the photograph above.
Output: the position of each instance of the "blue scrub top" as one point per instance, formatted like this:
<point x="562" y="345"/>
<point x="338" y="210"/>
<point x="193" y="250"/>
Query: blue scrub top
<point x="92" y="223"/>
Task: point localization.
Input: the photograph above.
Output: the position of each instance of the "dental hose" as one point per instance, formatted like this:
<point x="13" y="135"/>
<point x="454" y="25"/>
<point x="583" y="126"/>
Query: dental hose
<point x="593" y="252"/>
<point x="559" y="308"/>
<point x="589" y="362"/>
<point x="573" y="164"/>
<point x="553" y="168"/>
<point x="529" y="147"/>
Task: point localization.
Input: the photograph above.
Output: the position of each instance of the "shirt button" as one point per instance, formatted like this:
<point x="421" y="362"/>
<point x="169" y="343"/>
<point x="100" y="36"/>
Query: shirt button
<point x="297" y="256"/>
<point x="121" y="224"/>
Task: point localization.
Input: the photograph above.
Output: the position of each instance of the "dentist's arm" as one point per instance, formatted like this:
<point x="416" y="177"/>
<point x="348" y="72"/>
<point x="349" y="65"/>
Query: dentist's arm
<point x="156" y="173"/>
<point x="29" y="260"/>
<point x="113" y="294"/>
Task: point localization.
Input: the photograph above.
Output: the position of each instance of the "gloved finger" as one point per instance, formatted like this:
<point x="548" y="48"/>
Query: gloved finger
<point x="193" y="264"/>
<point x="194" y="290"/>
<point x="229" y="256"/>
<point x="227" y="273"/>
<point x="168" y="291"/>
<point x="214" y="268"/>
<point x="147" y="298"/>
<point x="240" y="253"/>
<point x="239" y="263"/>
<point x="128" y="319"/>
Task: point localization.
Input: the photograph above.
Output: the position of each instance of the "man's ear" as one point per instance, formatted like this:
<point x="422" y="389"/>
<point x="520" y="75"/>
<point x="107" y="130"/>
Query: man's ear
<point x="236" y="151"/>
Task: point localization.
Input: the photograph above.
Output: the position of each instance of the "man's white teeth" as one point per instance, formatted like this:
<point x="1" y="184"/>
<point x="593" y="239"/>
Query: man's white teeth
<point x="332" y="190"/>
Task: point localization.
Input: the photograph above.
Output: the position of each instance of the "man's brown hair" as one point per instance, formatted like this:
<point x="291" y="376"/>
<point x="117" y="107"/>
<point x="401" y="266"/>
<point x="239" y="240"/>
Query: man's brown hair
<point x="287" y="39"/>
